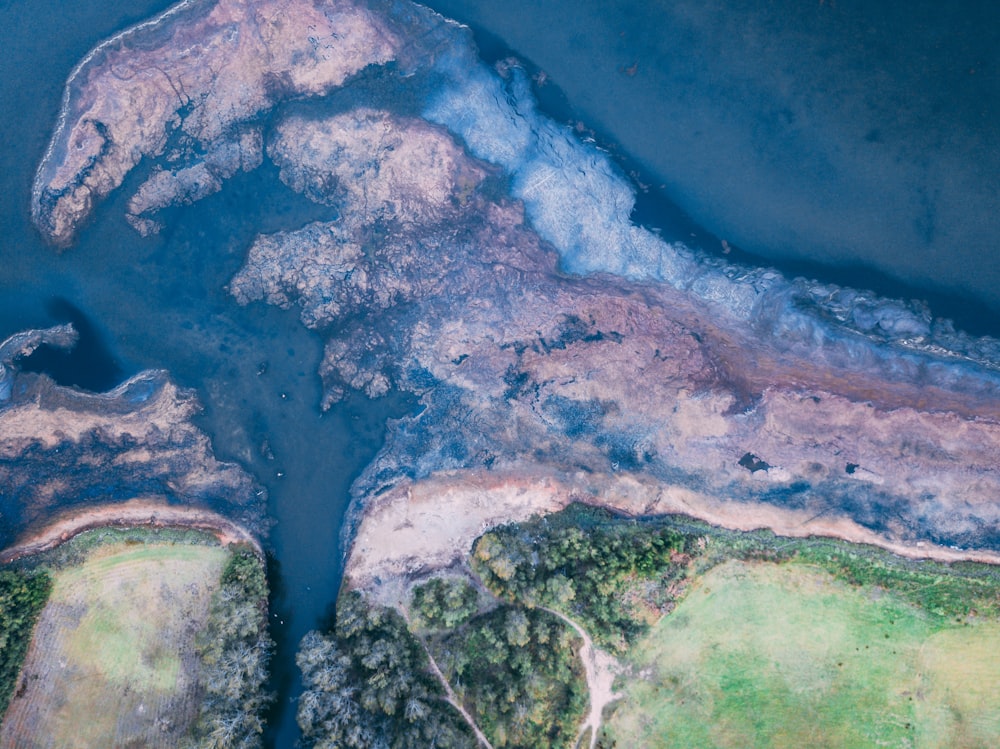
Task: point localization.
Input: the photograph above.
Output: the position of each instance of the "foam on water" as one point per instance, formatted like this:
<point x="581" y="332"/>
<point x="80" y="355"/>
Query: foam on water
<point x="577" y="199"/>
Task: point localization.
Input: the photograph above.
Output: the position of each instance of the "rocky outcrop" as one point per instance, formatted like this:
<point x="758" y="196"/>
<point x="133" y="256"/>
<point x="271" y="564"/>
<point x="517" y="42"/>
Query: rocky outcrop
<point x="63" y="449"/>
<point x="375" y="166"/>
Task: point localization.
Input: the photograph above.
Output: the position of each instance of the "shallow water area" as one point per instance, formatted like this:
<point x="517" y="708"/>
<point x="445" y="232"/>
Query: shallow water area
<point x="162" y="302"/>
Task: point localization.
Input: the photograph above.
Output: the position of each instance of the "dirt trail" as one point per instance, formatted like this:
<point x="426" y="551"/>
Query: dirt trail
<point x="453" y="699"/>
<point x="601" y="669"/>
<point x="449" y="692"/>
<point x="136" y="512"/>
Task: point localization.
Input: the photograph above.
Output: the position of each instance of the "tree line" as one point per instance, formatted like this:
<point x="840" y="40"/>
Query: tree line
<point x="22" y="597"/>
<point x="234" y="648"/>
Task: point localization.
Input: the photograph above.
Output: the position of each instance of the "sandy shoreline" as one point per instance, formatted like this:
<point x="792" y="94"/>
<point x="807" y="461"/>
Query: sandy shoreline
<point x="432" y="524"/>
<point x="134" y="513"/>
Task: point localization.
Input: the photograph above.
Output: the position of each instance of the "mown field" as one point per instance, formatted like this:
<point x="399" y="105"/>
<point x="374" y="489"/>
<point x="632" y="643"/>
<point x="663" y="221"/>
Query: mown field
<point x="764" y="654"/>
<point x="112" y="661"/>
<point x="144" y="636"/>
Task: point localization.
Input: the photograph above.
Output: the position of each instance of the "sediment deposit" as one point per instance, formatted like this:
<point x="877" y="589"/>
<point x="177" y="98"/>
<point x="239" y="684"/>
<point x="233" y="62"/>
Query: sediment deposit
<point x="65" y="449"/>
<point x="479" y="255"/>
<point x="190" y="79"/>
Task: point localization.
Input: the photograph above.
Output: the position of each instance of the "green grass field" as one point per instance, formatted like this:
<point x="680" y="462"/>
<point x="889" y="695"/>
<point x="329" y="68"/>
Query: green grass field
<point x="785" y="655"/>
<point x="112" y="662"/>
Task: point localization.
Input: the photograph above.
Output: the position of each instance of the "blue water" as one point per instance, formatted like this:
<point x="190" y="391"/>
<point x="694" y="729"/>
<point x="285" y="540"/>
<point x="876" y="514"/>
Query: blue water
<point x="160" y="302"/>
<point x="854" y="136"/>
<point x="89" y="365"/>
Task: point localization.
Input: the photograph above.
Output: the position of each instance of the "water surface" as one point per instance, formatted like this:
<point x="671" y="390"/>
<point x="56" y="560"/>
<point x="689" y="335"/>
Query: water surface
<point x="161" y="302"/>
<point x="848" y="134"/>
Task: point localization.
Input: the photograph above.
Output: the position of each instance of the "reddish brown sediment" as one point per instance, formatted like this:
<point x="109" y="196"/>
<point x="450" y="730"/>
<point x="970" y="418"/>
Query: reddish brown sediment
<point x="373" y="164"/>
<point x="139" y="512"/>
<point x="198" y="71"/>
<point x="523" y="368"/>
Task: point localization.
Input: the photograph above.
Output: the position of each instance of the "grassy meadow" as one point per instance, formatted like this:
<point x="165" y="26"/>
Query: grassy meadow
<point x="766" y="654"/>
<point x="112" y="660"/>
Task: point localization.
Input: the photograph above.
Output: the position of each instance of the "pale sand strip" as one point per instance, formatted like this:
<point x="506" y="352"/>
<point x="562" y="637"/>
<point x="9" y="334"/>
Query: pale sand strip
<point x="431" y="524"/>
<point x="140" y="512"/>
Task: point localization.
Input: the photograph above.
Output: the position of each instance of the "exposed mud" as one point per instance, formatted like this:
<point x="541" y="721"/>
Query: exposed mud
<point x="63" y="448"/>
<point x="458" y="217"/>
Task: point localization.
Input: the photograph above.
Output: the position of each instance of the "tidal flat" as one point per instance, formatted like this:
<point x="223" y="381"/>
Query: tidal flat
<point x="400" y="304"/>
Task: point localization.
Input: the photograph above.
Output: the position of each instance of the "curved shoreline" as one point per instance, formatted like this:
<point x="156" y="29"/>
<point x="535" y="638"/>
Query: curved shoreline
<point x="134" y="513"/>
<point x="64" y="107"/>
<point x="432" y="524"/>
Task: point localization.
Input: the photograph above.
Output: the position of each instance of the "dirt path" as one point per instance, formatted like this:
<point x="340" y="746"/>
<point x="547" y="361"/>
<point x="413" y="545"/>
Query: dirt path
<point x="448" y="691"/>
<point x="136" y="512"/>
<point x="453" y="698"/>
<point x="601" y="670"/>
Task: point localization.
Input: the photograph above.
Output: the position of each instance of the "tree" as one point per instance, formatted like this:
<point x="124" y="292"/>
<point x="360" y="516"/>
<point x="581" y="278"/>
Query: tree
<point x="22" y="597"/>
<point x="234" y="649"/>
<point x="367" y="684"/>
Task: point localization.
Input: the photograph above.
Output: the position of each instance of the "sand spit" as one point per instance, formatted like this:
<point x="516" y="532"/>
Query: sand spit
<point x="140" y="512"/>
<point x="420" y="527"/>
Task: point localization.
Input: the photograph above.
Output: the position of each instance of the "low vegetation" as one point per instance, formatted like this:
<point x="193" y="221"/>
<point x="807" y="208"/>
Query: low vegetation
<point x="22" y="597"/>
<point x="147" y="636"/>
<point x="787" y="655"/>
<point x="940" y="590"/>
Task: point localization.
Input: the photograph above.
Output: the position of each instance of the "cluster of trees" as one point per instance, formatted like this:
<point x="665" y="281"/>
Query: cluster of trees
<point x="518" y="673"/>
<point x="583" y="562"/>
<point x="943" y="590"/>
<point x="367" y="684"/>
<point x="234" y="649"/>
<point x="514" y="667"/>
<point x="22" y="598"/>
<point x="443" y="603"/>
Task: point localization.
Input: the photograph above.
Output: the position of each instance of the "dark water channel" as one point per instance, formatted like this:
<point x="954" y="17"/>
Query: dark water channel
<point x="161" y="303"/>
